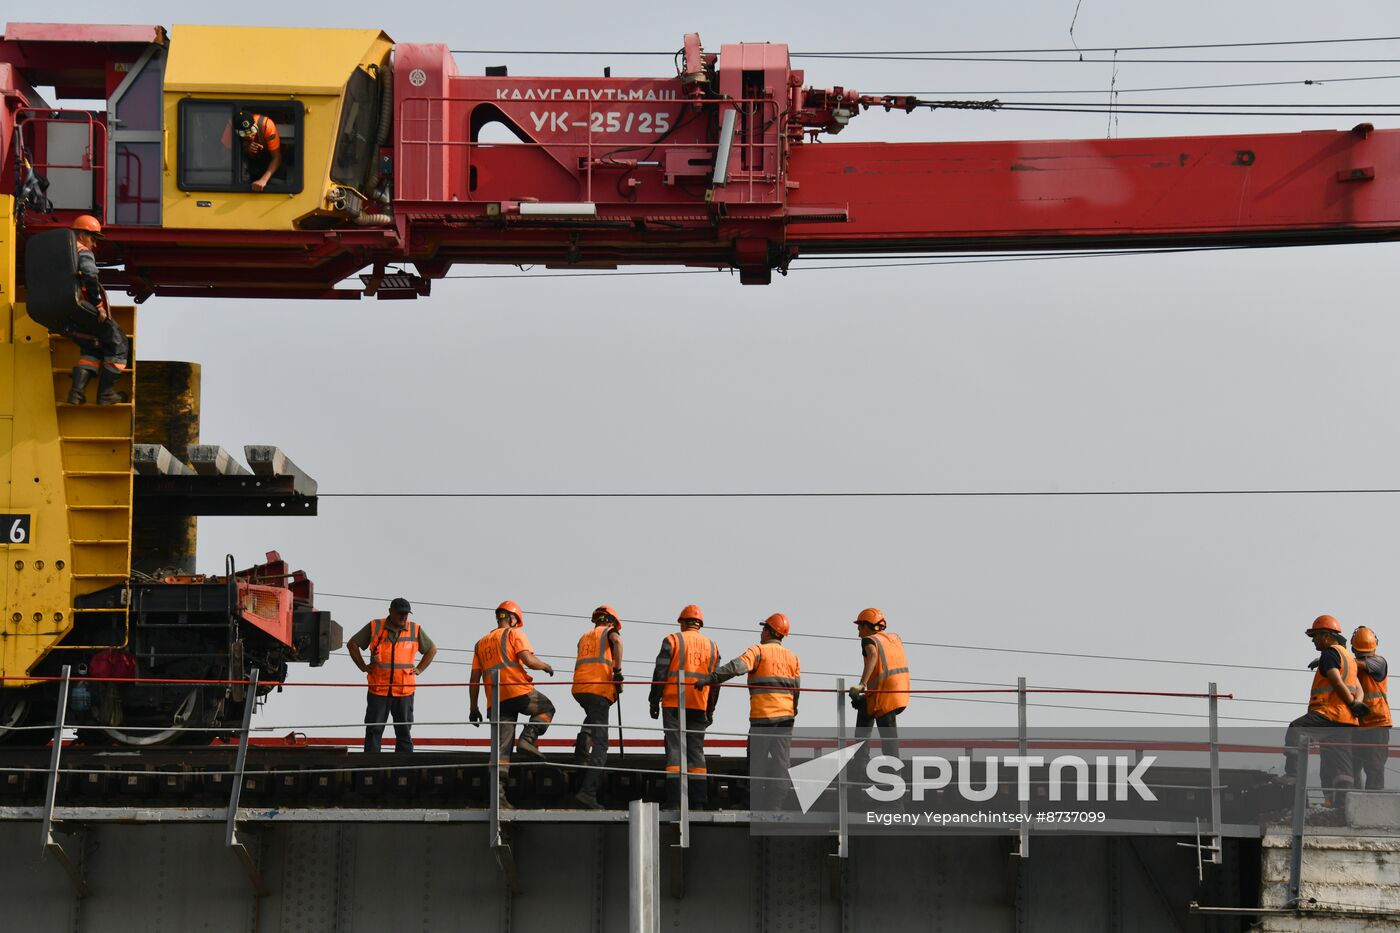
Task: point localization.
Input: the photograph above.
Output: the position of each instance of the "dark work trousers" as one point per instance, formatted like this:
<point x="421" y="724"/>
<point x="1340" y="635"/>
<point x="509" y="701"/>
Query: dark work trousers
<point x="1369" y="751"/>
<point x="1333" y="739"/>
<point x="889" y="734"/>
<point x="378" y="709"/>
<point x="533" y="704"/>
<point x="596" y="710"/>
<point x="770" y="756"/>
<point x="694" y="756"/>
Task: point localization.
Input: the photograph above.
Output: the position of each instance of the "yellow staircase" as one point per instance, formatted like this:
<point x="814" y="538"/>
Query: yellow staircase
<point x="95" y="443"/>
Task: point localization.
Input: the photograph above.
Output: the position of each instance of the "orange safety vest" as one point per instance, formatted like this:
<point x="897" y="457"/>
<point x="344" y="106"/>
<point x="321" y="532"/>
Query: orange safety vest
<point x="695" y="654"/>
<point x="593" y="669"/>
<point x="498" y="652"/>
<point x="1324" y="699"/>
<point x="774" y="676"/>
<point x="392" y="670"/>
<point x="888" y="688"/>
<point x="1376" y="697"/>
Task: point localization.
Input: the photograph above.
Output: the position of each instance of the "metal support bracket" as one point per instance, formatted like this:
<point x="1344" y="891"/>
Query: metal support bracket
<point x="240" y="849"/>
<point x="51" y="845"/>
<point x="1217" y="846"/>
<point x="843" y="837"/>
<point x="1300" y="810"/>
<point x="1023" y="832"/>
<point x="682" y="708"/>
<point x="496" y="836"/>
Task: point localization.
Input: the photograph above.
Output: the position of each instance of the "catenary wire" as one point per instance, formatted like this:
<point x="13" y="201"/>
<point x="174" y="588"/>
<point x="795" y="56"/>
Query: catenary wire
<point x="844" y="638"/>
<point x="851" y="494"/>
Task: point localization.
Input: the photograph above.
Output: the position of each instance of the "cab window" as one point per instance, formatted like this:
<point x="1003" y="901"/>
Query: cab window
<point x="215" y="156"/>
<point x="359" y="123"/>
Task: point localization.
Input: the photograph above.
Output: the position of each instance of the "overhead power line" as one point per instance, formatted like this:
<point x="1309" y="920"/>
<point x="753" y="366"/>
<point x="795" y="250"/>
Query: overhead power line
<point x="845" y="638"/>
<point x="940" y="494"/>
<point x="1029" y="51"/>
<point x="1152" y="90"/>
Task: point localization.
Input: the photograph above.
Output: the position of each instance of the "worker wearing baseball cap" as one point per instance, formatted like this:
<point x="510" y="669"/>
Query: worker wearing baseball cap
<point x="103" y="348"/>
<point x="393" y="644"/>
<point x="1371" y="745"/>
<point x="500" y="660"/>
<point x="1333" y="707"/>
<point x="775" y="682"/>
<point x="883" y="691"/>
<point x="693" y="653"/>
<point x="597" y="683"/>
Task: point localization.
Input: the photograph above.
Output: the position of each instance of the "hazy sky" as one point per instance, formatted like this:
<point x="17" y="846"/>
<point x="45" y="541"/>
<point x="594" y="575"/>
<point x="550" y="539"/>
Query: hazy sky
<point x="1249" y="369"/>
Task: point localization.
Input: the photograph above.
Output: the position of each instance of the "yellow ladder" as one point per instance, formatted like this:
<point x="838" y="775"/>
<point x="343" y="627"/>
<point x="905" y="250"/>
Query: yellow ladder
<point x="95" y="447"/>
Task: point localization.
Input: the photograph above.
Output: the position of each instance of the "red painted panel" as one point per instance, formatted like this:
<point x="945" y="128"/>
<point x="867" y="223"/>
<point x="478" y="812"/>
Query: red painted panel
<point x="83" y="32"/>
<point x="998" y="195"/>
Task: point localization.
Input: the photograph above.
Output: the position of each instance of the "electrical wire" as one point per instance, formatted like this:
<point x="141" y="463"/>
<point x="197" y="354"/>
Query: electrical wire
<point x="1148" y="90"/>
<point x="1348" y="40"/>
<point x="908" y="494"/>
<point x="844" y="638"/>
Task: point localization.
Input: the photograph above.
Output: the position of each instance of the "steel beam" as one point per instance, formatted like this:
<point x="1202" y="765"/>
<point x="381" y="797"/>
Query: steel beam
<point x="1300" y="809"/>
<point x="682" y="708"/>
<point x="1023" y="832"/>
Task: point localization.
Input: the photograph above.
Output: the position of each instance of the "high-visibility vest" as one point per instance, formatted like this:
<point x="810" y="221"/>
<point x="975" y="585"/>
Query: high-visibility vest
<point x="1324" y="699"/>
<point x="694" y="654"/>
<point x="392" y="668"/>
<point x="774" y="676"/>
<point x="593" y="668"/>
<point x="498" y="652"/>
<point x="1376" y="696"/>
<point x="888" y="687"/>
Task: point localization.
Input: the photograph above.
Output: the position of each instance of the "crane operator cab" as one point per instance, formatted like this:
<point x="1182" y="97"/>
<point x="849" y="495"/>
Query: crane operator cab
<point x="208" y="128"/>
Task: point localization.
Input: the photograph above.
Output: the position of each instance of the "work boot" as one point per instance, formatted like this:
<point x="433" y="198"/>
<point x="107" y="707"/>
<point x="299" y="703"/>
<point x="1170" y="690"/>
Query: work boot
<point x="501" y="801"/>
<point x="526" y="745"/>
<point x="107" y="387"/>
<point x="78" y="394"/>
<point x="587" y="800"/>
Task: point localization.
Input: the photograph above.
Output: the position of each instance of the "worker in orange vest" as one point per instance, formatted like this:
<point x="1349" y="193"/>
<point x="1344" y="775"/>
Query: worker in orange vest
<point x="693" y="653"/>
<point x="103" y="347"/>
<point x="499" y="660"/>
<point x="1372" y="745"/>
<point x="883" y="691"/>
<point x="1333" y="709"/>
<point x="260" y="143"/>
<point x="597" y="683"/>
<point x="393" y="644"/>
<point x="775" y="682"/>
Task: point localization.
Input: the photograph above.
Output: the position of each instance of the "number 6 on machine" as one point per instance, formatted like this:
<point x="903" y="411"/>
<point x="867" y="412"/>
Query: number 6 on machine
<point x="14" y="529"/>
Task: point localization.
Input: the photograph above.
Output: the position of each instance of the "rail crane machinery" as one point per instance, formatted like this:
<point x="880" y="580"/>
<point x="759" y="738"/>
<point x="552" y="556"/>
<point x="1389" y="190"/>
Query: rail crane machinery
<point x="393" y="168"/>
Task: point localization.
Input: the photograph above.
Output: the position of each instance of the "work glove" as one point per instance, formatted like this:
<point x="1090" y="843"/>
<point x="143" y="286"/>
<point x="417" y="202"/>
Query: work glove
<point x="709" y="720"/>
<point x="474" y="716"/>
<point x="1312" y="665"/>
<point x="703" y="680"/>
<point x="549" y="671"/>
<point x="617" y="680"/>
<point x="1360" y="710"/>
<point x="656" y="711"/>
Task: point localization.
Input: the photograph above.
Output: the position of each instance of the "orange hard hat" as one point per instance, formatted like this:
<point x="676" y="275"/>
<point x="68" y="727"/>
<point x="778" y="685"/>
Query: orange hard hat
<point x="611" y="613"/>
<point x="779" y="624"/>
<point x="513" y="608"/>
<point x="87" y="224"/>
<point x="691" y="613"/>
<point x="1325" y="624"/>
<point x="1363" y="639"/>
<point x="871" y="616"/>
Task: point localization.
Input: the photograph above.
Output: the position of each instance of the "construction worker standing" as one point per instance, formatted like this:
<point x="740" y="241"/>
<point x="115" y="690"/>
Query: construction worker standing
<point x="883" y="691"/>
<point x="502" y="656"/>
<point x="775" y="681"/>
<point x="1333" y="706"/>
<point x="693" y="653"/>
<point x="103" y="346"/>
<point x="393" y="643"/>
<point x="1372" y="745"/>
<point x="597" y="682"/>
